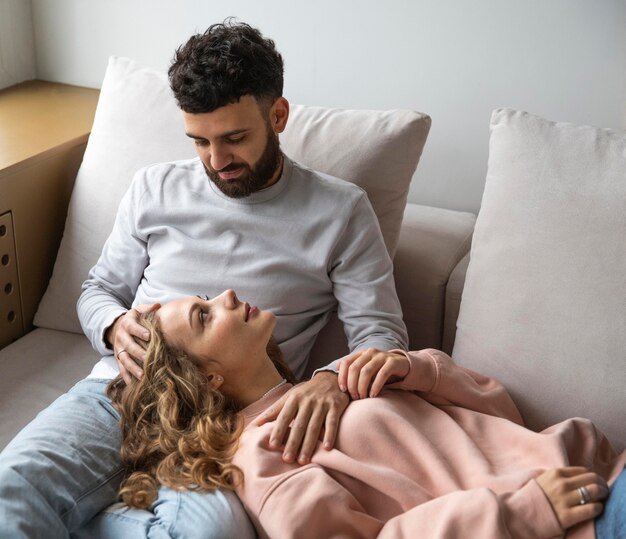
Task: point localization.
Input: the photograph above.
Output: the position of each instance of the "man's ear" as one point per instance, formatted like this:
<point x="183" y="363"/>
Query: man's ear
<point x="279" y="114"/>
<point x="215" y="380"/>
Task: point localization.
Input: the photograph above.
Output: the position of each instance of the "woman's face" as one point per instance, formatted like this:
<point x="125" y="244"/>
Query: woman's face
<point x="223" y="331"/>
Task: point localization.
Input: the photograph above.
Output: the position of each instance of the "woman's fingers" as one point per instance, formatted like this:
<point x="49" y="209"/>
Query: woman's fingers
<point x="575" y="494"/>
<point x="365" y="373"/>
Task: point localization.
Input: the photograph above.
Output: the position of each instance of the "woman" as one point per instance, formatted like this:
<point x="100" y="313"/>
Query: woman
<point x="438" y="451"/>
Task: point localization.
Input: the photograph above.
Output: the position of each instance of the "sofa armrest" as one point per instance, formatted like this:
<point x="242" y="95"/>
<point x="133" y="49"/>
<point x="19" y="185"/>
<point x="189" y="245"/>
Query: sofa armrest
<point x="432" y="243"/>
<point x="45" y="127"/>
<point x="454" y="291"/>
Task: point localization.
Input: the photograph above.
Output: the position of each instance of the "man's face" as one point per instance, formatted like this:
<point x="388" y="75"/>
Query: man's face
<point x="238" y="146"/>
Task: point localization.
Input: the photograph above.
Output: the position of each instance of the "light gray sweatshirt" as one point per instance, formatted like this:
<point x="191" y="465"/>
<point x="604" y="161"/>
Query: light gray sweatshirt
<point x="308" y="244"/>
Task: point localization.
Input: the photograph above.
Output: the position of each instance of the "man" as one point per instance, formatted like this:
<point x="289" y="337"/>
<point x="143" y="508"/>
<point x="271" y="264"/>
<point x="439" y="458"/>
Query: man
<point x="241" y="215"/>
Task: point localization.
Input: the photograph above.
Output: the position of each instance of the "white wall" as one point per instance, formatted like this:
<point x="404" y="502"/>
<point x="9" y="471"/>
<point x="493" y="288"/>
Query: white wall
<point x="453" y="59"/>
<point x="17" y="48"/>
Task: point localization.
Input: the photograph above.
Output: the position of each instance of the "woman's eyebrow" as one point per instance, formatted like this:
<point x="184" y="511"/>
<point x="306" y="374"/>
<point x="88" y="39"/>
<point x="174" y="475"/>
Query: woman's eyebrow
<point x="192" y="309"/>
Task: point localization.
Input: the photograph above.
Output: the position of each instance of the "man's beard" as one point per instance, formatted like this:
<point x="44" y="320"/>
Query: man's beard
<point x="252" y="179"/>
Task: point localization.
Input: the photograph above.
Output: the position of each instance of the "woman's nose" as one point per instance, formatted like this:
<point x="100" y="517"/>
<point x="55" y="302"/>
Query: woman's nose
<point x="230" y="298"/>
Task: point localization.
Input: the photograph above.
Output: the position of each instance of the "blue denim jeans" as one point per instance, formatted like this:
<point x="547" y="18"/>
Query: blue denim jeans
<point x="611" y="523"/>
<point x="63" y="469"/>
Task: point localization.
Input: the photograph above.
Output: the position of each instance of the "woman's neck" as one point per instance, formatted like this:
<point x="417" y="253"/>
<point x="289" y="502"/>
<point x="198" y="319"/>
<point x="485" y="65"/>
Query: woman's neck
<point x="258" y="384"/>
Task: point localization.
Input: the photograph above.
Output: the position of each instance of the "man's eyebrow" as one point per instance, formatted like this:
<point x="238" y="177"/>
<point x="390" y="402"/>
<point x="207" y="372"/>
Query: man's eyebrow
<point x="222" y="135"/>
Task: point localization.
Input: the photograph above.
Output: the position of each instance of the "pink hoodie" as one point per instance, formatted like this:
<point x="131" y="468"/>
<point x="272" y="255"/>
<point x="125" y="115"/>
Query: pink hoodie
<point x="450" y="461"/>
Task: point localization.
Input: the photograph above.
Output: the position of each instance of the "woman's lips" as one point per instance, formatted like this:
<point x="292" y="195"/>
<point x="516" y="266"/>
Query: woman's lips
<point x="250" y="310"/>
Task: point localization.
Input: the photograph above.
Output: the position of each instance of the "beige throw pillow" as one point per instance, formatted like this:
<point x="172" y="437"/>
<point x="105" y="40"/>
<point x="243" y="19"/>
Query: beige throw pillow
<point x="138" y="123"/>
<point x="544" y="304"/>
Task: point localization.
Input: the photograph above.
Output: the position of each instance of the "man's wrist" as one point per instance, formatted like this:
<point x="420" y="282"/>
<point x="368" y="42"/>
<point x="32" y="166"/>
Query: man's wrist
<point x="109" y="333"/>
<point x="317" y="373"/>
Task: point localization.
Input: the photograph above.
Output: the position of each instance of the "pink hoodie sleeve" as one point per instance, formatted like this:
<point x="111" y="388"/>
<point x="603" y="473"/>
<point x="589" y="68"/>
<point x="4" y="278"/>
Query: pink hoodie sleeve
<point x="435" y="376"/>
<point x="311" y="504"/>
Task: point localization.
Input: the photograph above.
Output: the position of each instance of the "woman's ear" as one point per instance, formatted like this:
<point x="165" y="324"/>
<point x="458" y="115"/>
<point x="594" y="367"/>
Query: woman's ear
<point x="215" y="380"/>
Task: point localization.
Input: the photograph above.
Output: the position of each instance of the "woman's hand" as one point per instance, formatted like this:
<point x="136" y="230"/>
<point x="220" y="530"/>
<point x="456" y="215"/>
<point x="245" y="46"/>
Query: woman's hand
<point x="561" y="488"/>
<point x="364" y="373"/>
<point x="121" y="336"/>
<point x="302" y="414"/>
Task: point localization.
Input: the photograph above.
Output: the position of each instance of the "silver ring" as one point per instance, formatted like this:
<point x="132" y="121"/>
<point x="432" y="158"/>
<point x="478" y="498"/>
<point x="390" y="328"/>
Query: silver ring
<point x="117" y="354"/>
<point x="584" y="495"/>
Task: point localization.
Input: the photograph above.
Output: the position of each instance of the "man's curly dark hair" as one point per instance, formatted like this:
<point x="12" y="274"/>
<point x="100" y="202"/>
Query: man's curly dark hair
<point x="229" y="60"/>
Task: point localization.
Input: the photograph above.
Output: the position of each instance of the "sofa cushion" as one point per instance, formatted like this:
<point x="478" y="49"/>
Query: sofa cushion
<point x="36" y="369"/>
<point x="138" y="123"/>
<point x="544" y="304"/>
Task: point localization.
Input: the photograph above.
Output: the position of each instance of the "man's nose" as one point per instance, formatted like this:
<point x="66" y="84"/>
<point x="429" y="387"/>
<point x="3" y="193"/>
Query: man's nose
<point x="220" y="157"/>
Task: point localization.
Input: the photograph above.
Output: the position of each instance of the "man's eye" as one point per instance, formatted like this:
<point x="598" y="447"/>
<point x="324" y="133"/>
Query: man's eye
<point x="203" y="317"/>
<point x="199" y="142"/>
<point x="238" y="140"/>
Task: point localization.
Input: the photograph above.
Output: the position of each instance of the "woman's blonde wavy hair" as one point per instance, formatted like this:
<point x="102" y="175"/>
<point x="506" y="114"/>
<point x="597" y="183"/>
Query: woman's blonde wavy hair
<point x="176" y="430"/>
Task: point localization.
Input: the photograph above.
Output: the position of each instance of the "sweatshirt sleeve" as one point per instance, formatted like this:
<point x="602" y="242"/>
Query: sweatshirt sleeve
<point x="479" y="513"/>
<point x="112" y="283"/>
<point x="438" y="380"/>
<point x="311" y="504"/>
<point x="362" y="275"/>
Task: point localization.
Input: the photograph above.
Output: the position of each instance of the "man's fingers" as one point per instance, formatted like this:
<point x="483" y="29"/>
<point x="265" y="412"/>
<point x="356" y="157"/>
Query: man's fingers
<point x="147" y="307"/>
<point x="342" y="375"/>
<point x="271" y="413"/>
<point x="125" y="376"/>
<point x="135" y="327"/>
<point x="125" y="360"/>
<point x="311" y="436"/>
<point x="296" y="434"/>
<point x="330" y="428"/>
<point x="132" y="327"/>
<point x="281" y="427"/>
<point x="302" y="414"/>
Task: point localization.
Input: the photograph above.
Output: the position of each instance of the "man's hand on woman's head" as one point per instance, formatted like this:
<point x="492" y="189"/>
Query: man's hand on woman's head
<point x="303" y="413"/>
<point x="121" y="337"/>
<point x="364" y="373"/>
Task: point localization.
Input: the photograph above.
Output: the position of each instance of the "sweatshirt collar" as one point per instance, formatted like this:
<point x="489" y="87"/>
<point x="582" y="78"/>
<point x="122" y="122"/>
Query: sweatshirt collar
<point x="264" y="194"/>
<point x="254" y="410"/>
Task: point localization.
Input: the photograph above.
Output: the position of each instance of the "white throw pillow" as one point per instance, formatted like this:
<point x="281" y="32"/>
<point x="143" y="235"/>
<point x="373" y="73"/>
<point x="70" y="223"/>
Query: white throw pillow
<point x="378" y="150"/>
<point x="138" y="123"/>
<point x="544" y="304"/>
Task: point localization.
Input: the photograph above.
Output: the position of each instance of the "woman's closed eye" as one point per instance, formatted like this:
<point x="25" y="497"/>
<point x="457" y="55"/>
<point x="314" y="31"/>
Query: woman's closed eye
<point x="204" y="310"/>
